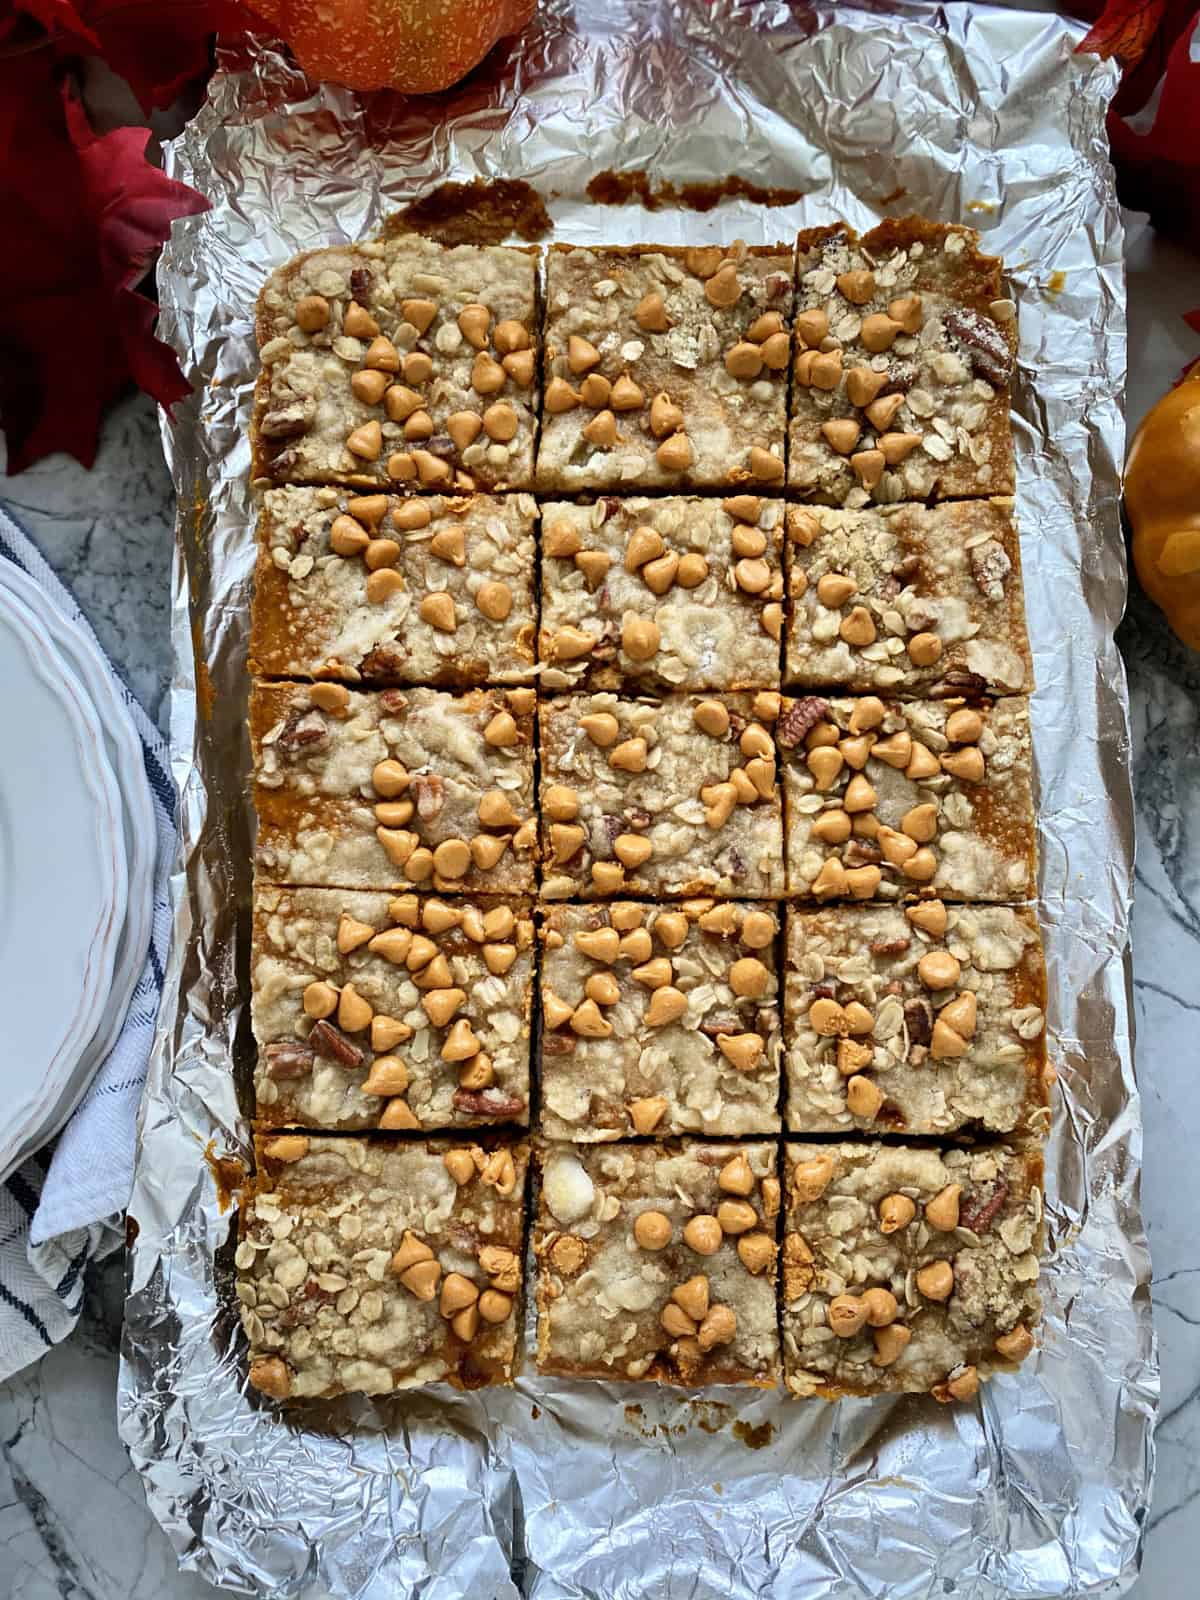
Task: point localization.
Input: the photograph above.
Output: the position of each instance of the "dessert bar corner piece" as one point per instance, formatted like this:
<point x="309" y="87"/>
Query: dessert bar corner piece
<point x="659" y="1020"/>
<point x="378" y="589"/>
<point x="925" y="1019"/>
<point x="396" y="1012"/>
<point x="672" y="797"/>
<point x="905" y="345"/>
<point x="366" y="1266"/>
<point x="888" y="799"/>
<point x="678" y="592"/>
<point x="403" y="788"/>
<point x="665" y="367"/>
<point x="908" y="599"/>
<point x="905" y="1269"/>
<point x="657" y="1262"/>
<point x="401" y="362"/>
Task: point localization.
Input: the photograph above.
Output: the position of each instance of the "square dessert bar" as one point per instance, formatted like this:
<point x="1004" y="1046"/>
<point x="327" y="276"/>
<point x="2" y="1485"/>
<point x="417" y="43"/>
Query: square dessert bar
<point x="366" y="1266"/>
<point x="399" y="789"/>
<point x="665" y="366"/>
<point x="660" y="797"/>
<point x="657" y="1262"/>
<point x="908" y="1269"/>
<point x="885" y="799"/>
<point x="378" y="589"/>
<point x="673" y="593"/>
<point x="399" y="362"/>
<point x="659" y="1020"/>
<point x="905" y="346"/>
<point x="925" y="1019"/>
<point x="377" y="1011"/>
<point x="908" y="600"/>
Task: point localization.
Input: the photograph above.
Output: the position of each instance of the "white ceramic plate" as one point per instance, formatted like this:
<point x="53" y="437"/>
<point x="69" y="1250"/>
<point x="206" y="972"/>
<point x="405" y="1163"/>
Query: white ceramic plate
<point x="124" y="749"/>
<point x="62" y="876"/>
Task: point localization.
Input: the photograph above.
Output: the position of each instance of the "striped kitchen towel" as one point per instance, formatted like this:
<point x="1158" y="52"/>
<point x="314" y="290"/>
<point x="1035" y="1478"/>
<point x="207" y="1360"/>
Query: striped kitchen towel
<point x="63" y="1207"/>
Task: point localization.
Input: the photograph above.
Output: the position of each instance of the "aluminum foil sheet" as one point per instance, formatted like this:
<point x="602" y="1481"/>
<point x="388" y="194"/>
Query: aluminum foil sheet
<point x="559" y="1489"/>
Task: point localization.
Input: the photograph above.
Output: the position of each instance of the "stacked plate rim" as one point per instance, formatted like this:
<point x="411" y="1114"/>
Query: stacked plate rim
<point x="77" y="846"/>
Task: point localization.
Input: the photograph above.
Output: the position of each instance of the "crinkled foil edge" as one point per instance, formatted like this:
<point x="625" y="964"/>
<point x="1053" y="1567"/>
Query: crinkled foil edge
<point x="557" y="1489"/>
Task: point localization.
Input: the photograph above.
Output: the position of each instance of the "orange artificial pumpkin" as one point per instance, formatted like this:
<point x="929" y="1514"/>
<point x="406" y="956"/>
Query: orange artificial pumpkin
<point x="416" y="46"/>
<point x="1162" y="497"/>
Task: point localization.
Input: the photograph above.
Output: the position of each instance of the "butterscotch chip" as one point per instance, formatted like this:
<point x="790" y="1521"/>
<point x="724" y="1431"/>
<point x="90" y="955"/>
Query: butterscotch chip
<point x="659" y="772"/>
<point x="314" y="772"/>
<point x="983" y="843"/>
<point x="931" y="1303"/>
<point x="627" y="1199"/>
<point x="309" y="615"/>
<point x="928" y="364"/>
<point x="355" y="1295"/>
<point x="642" y="321"/>
<point x="312" y="400"/>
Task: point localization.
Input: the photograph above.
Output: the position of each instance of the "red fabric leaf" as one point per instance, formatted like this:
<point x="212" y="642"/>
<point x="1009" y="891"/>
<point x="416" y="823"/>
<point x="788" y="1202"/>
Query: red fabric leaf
<point x="60" y="16"/>
<point x="89" y="214"/>
<point x="1125" y="29"/>
<point x="157" y="46"/>
<point x="1160" y="170"/>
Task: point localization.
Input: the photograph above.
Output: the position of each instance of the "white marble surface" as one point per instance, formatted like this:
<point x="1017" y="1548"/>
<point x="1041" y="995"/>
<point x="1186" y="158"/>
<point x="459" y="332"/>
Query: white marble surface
<point x="73" y="1520"/>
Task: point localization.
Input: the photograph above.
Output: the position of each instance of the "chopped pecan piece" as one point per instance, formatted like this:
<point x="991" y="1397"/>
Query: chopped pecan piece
<point x="979" y="1217"/>
<point x="797" y="720"/>
<point x="714" y="1027"/>
<point x="614" y="827"/>
<point x="287" y="1060"/>
<point x="394" y="702"/>
<point x="488" y="1103"/>
<point x="558" y="1044"/>
<point x="288" y="421"/>
<point x="429" y="792"/>
<point x="303" y="730"/>
<point x="890" y="947"/>
<point x="361" y="283"/>
<point x="990" y="566"/>
<point x="384" y="661"/>
<point x="918" y="1014"/>
<point x="862" y="853"/>
<point x="332" y="1043"/>
<point x="958" y="682"/>
<point x="986" y="347"/>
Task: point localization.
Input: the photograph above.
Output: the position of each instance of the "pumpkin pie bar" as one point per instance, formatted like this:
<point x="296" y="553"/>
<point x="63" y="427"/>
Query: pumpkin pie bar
<point x="671" y="593"/>
<point x="665" y="367"/>
<point x="402" y="788"/>
<point x="888" y="799"/>
<point x="927" y="1019"/>
<point x="673" y="797"/>
<point x="908" y="1269"/>
<point x="366" y="1266"/>
<point x="659" y="1020"/>
<point x="378" y="1011"/>
<point x="657" y="1262"/>
<point x="905" y="346"/>
<point x="379" y="589"/>
<point x="399" y="363"/>
<point x="908" y="599"/>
